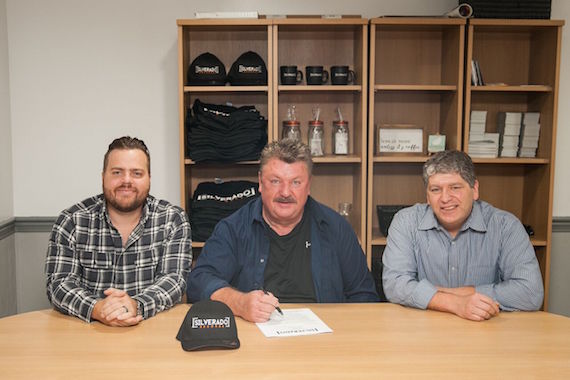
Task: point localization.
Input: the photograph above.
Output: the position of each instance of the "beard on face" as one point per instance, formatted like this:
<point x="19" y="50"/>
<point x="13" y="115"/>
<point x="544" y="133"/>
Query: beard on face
<point x="130" y="206"/>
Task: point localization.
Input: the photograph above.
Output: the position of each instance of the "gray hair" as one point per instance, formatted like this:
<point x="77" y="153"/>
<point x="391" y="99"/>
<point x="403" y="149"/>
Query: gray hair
<point x="450" y="161"/>
<point x="289" y="151"/>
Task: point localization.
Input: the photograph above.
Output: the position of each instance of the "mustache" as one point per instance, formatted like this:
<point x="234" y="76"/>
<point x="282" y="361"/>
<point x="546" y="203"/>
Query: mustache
<point x="285" y="200"/>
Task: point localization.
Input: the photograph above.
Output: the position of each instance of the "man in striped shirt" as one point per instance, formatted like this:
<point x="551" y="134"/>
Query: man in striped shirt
<point x="459" y="254"/>
<point x="121" y="256"/>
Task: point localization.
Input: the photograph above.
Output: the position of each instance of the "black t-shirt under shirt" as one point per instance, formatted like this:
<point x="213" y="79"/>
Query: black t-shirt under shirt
<point x="288" y="272"/>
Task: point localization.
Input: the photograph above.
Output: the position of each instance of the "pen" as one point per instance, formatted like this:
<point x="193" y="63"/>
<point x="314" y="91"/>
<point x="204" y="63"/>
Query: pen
<point x="276" y="307"/>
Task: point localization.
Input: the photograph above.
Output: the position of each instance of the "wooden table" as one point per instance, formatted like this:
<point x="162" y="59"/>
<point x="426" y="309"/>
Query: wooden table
<point x="368" y="341"/>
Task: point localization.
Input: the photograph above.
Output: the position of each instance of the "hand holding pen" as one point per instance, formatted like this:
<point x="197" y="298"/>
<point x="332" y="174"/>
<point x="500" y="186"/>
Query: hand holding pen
<point x="276" y="307"/>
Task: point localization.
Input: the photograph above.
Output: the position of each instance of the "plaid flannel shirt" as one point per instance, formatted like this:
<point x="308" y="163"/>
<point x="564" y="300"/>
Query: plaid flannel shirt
<point x="85" y="256"/>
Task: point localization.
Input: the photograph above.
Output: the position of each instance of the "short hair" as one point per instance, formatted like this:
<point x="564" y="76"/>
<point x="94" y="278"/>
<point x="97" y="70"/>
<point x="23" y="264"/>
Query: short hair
<point x="289" y="151"/>
<point x="450" y="161"/>
<point x="127" y="142"/>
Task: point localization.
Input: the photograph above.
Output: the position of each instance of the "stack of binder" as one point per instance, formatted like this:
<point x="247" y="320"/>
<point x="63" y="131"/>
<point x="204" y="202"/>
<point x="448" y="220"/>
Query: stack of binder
<point x="509" y="127"/>
<point x="530" y="131"/>
<point x="481" y="143"/>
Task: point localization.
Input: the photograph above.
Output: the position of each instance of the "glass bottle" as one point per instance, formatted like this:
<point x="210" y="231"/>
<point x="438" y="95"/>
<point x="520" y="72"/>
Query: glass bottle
<point x="291" y="130"/>
<point x="344" y="209"/>
<point x="340" y="137"/>
<point x="316" y="138"/>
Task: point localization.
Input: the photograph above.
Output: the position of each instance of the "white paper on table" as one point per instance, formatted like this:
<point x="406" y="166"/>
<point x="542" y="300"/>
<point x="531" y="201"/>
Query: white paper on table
<point x="294" y="322"/>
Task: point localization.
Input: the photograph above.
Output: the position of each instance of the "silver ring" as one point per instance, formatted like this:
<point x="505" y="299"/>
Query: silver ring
<point x="126" y="309"/>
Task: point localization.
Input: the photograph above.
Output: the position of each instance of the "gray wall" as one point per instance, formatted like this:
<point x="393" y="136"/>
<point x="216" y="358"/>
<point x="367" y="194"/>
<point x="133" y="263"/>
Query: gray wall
<point x="559" y="297"/>
<point x="8" y="302"/>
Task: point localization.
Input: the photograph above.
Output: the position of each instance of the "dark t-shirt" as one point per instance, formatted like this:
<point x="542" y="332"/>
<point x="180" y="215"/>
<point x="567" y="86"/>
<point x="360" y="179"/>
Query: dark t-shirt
<point x="288" y="272"/>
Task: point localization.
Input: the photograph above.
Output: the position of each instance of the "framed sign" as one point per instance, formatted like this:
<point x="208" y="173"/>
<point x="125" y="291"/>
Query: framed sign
<point x="400" y="138"/>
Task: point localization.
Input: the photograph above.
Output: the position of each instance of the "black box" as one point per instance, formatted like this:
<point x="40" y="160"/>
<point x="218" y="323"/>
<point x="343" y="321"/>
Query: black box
<point x="526" y="9"/>
<point x="386" y="214"/>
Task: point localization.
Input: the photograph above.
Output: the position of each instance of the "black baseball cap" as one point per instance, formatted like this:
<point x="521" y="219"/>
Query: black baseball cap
<point x="208" y="325"/>
<point x="248" y="70"/>
<point x="207" y="70"/>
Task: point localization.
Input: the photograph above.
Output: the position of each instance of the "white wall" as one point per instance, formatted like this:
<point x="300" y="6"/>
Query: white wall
<point x="6" y="183"/>
<point x="561" y="207"/>
<point x="84" y="72"/>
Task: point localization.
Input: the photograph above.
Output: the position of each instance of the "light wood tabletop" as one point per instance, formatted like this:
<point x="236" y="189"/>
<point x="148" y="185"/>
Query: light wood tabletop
<point x="368" y="341"/>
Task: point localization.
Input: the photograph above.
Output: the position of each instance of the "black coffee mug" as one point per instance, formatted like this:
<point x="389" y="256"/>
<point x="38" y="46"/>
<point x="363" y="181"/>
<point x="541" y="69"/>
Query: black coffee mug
<point x="342" y="75"/>
<point x="316" y="75"/>
<point x="290" y="75"/>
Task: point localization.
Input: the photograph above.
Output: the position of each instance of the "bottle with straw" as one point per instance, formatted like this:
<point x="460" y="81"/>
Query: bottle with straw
<point x="316" y="134"/>
<point x="340" y="134"/>
<point x="291" y="126"/>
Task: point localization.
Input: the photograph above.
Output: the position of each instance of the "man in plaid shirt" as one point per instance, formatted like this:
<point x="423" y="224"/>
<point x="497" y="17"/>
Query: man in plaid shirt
<point x="121" y="256"/>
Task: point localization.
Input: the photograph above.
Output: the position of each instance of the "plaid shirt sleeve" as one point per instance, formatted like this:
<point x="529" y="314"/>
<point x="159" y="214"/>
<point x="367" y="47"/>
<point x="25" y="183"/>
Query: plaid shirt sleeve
<point x="170" y="279"/>
<point x="63" y="270"/>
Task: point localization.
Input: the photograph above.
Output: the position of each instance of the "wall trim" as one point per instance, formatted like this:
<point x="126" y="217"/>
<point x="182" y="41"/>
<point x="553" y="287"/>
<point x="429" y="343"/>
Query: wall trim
<point x="7" y="228"/>
<point x="34" y="223"/>
<point x="26" y="224"/>
<point x="561" y="224"/>
<point x="45" y="224"/>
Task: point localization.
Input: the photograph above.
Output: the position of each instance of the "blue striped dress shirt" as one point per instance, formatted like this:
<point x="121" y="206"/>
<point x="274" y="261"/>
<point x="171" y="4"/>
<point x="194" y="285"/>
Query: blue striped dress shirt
<point x="491" y="252"/>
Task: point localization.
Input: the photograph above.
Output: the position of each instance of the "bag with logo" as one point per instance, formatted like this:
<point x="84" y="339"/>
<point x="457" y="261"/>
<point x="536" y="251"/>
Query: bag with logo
<point x="206" y="70"/>
<point x="248" y="70"/>
<point x="213" y="201"/>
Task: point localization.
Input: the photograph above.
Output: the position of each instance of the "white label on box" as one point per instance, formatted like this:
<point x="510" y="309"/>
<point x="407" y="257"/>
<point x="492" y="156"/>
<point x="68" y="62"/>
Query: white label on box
<point x="400" y="140"/>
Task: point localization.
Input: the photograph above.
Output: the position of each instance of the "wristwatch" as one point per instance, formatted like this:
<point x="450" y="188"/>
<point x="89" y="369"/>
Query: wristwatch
<point x="140" y="309"/>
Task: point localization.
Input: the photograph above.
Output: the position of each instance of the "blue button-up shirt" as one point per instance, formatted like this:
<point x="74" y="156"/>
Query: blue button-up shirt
<point x="491" y="252"/>
<point x="236" y="254"/>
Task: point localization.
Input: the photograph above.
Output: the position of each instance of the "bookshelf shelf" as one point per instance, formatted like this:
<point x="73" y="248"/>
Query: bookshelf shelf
<point x="311" y="88"/>
<point x="188" y="89"/>
<point x="522" y="88"/>
<point x="517" y="52"/>
<point x="416" y="77"/>
<point x="412" y="87"/>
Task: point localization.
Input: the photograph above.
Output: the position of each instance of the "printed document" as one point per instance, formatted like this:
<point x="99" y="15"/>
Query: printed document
<point x="293" y="322"/>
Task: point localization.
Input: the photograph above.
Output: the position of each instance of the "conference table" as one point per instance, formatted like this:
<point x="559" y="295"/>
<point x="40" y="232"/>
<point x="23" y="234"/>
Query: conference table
<point x="368" y="341"/>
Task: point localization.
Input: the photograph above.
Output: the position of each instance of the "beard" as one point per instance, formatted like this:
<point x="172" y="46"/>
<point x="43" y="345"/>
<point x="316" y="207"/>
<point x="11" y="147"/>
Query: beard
<point x="125" y="204"/>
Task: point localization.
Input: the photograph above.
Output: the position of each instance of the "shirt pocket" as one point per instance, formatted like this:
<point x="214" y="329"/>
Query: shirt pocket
<point x="146" y="265"/>
<point x="483" y="275"/>
<point x="97" y="266"/>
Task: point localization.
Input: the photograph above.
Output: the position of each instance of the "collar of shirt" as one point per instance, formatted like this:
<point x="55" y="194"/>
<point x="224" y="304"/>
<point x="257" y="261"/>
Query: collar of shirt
<point x="475" y="220"/>
<point x="138" y="230"/>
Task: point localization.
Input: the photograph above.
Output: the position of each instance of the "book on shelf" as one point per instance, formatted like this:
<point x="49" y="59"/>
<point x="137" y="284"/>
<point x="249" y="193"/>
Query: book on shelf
<point x="487" y="147"/>
<point x="509" y="128"/>
<point x="478" y="116"/>
<point x="474" y="80"/>
<point x="479" y="74"/>
<point x="530" y="132"/>
<point x="476" y="75"/>
<point x="478" y="142"/>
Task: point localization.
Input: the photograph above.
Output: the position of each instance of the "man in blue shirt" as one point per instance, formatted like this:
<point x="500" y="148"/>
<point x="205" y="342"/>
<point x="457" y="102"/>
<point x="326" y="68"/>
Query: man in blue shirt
<point x="458" y="254"/>
<point x="283" y="246"/>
